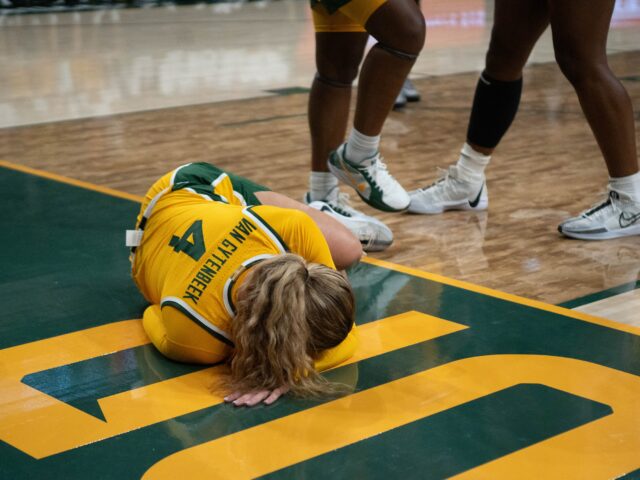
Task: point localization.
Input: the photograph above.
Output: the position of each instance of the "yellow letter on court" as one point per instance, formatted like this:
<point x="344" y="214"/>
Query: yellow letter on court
<point x="41" y="425"/>
<point x="604" y="448"/>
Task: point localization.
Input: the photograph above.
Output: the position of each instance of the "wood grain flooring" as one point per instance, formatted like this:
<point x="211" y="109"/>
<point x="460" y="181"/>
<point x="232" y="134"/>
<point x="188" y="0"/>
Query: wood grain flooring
<point x="547" y="167"/>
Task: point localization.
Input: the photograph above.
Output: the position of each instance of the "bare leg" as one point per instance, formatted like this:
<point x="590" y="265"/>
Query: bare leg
<point x="516" y="29"/>
<point x="580" y="39"/>
<point x="398" y="25"/>
<point x="408" y="92"/>
<point x="338" y="56"/>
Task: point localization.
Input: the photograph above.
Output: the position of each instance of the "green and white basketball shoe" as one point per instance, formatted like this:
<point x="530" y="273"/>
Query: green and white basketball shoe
<point x="371" y="181"/>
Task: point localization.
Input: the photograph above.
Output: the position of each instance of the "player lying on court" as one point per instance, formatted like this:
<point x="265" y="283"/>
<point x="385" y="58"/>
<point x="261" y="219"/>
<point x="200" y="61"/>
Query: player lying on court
<point x="236" y="272"/>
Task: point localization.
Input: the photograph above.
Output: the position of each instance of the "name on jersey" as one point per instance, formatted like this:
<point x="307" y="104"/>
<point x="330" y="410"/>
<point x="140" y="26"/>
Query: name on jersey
<point x="217" y="258"/>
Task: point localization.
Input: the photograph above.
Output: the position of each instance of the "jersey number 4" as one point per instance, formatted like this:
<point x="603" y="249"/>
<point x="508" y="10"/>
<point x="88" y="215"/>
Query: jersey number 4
<point x="191" y="243"/>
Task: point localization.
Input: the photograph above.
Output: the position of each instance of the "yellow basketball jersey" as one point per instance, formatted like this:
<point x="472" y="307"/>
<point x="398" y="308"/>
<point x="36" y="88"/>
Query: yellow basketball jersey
<point x="193" y="249"/>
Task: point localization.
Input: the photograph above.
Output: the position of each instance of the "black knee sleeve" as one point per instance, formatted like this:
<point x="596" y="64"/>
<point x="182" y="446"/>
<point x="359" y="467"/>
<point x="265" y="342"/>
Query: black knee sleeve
<point x="397" y="53"/>
<point x="331" y="82"/>
<point x="495" y="105"/>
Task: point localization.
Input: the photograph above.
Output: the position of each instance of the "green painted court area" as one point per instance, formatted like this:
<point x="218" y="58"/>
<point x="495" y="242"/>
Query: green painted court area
<point x="65" y="268"/>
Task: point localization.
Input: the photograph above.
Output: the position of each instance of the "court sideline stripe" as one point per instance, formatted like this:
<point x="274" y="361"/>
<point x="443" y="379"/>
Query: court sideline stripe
<point x="505" y="296"/>
<point x="381" y="263"/>
<point x="71" y="181"/>
<point x="603" y="295"/>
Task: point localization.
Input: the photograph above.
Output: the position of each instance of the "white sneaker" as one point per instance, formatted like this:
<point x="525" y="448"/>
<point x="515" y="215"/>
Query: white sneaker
<point x="371" y="180"/>
<point x="410" y="92"/>
<point x="449" y="192"/>
<point x="374" y="235"/>
<point x="401" y="101"/>
<point x="617" y="216"/>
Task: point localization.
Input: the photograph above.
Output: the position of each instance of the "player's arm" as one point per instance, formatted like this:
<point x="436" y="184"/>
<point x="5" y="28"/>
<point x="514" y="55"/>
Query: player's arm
<point x="344" y="246"/>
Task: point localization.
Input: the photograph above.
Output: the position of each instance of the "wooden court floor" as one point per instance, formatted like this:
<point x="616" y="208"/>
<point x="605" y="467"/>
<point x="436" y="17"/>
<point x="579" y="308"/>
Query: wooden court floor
<point x="470" y="366"/>
<point x="547" y="168"/>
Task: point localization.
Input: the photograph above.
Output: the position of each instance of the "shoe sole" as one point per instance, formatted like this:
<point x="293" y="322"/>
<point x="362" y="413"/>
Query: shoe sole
<point x="399" y="105"/>
<point x="608" y="235"/>
<point x="482" y="205"/>
<point x="376" y="246"/>
<point x="347" y="178"/>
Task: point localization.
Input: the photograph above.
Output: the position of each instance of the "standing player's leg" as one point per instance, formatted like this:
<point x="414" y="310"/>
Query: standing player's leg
<point x="408" y="92"/>
<point x="338" y="55"/>
<point x="517" y="27"/>
<point x="580" y="40"/>
<point x="398" y="26"/>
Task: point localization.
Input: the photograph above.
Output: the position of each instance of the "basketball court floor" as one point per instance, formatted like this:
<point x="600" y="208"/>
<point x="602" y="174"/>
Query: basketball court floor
<point x="491" y="346"/>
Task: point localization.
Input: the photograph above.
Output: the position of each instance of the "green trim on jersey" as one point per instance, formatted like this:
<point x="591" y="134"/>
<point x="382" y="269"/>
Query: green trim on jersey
<point x="331" y="6"/>
<point x="198" y="319"/>
<point x="200" y="177"/>
<point x="268" y="229"/>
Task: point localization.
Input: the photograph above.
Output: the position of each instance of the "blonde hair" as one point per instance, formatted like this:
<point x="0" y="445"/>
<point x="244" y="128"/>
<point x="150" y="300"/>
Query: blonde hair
<point x="288" y="312"/>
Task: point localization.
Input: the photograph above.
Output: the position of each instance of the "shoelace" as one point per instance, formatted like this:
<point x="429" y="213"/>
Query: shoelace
<point x="344" y="204"/>
<point x="611" y="200"/>
<point x="371" y="240"/>
<point x="340" y="202"/>
<point x="380" y="175"/>
<point x="367" y="237"/>
<point x="443" y="175"/>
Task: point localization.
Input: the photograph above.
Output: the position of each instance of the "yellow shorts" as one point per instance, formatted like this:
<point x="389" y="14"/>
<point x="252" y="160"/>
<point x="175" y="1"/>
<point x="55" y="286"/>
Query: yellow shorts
<point x="350" y="17"/>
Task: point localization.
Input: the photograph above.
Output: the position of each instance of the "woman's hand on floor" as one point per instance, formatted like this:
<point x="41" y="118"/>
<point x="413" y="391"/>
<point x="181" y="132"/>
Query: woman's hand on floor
<point x="253" y="398"/>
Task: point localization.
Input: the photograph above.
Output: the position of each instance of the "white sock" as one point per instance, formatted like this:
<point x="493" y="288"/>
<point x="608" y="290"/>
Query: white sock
<point x="321" y="185"/>
<point x="629" y="185"/>
<point x="471" y="164"/>
<point x="360" y="146"/>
